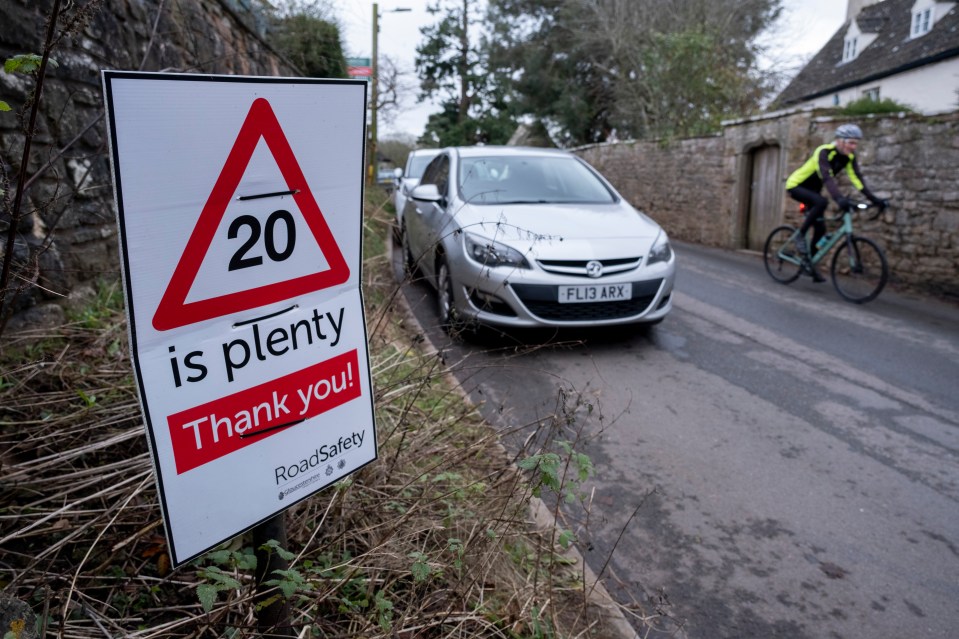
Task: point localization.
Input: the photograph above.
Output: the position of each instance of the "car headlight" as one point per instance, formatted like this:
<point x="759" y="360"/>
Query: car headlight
<point x="490" y="253"/>
<point x="661" y="251"/>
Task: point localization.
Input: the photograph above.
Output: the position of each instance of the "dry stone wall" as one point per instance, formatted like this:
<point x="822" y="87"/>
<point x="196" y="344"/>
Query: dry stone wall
<point x="699" y="189"/>
<point x="68" y="230"/>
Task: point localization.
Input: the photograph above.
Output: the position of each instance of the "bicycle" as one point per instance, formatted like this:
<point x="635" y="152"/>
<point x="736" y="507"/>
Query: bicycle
<point x="859" y="269"/>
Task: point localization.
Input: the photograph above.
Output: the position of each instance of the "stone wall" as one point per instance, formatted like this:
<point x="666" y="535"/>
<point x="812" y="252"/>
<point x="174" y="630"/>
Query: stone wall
<point x="67" y="232"/>
<point x="700" y="189"/>
<point x="681" y="184"/>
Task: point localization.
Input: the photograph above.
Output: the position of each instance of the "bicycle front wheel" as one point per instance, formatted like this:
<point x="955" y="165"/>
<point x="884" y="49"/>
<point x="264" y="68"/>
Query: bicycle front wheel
<point x="783" y="262"/>
<point x="859" y="270"/>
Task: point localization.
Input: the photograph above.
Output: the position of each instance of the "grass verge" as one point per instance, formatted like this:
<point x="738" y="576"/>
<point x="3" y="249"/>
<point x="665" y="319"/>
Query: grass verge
<point x="432" y="540"/>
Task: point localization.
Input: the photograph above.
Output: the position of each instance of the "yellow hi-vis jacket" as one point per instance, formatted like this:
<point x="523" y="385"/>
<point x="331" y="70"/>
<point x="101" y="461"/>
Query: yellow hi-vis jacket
<point x="822" y="167"/>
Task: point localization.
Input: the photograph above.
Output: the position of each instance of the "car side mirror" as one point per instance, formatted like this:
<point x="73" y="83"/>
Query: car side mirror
<point x="426" y="193"/>
<point x="398" y="172"/>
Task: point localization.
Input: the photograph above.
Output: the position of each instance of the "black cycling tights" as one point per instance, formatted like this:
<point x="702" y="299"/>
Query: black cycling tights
<point x="815" y="207"/>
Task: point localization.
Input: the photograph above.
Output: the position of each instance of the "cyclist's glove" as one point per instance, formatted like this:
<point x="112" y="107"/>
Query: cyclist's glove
<point x="844" y="203"/>
<point x="882" y="203"/>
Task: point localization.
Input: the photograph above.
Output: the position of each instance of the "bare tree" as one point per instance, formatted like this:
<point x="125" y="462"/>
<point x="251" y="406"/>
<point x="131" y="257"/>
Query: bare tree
<point x="395" y="87"/>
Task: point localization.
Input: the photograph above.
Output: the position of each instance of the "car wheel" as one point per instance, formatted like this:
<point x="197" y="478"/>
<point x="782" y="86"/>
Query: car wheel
<point x="445" y="302"/>
<point x="397" y="229"/>
<point x="409" y="264"/>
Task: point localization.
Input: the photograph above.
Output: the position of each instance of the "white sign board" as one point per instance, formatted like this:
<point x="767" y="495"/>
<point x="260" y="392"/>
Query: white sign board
<point x="239" y="204"/>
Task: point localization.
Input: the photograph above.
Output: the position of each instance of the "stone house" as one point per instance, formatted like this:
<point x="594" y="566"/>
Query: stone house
<point x="904" y="50"/>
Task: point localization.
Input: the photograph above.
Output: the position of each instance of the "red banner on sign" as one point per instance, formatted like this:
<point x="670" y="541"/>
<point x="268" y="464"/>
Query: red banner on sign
<point x="207" y="432"/>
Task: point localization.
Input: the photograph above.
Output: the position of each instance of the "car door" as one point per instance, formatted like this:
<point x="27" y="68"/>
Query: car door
<point x="423" y="225"/>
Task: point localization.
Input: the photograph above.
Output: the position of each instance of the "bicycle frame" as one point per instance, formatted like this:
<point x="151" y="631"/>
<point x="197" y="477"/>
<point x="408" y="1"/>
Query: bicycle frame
<point x="859" y="268"/>
<point x="843" y="233"/>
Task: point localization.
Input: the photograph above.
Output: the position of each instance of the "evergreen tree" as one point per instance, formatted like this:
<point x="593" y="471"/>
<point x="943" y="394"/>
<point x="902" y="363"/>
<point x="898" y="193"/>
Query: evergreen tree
<point x="307" y="34"/>
<point x="452" y="64"/>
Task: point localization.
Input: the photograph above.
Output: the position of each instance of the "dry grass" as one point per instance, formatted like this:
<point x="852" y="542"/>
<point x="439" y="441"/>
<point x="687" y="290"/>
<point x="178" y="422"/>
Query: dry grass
<point x="432" y="540"/>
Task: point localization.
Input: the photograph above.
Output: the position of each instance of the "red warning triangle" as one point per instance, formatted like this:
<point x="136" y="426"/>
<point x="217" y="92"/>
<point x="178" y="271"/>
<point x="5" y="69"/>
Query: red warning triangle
<point x="174" y="311"/>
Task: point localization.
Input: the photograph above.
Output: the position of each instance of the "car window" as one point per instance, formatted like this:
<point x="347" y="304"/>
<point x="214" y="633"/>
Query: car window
<point x="429" y="173"/>
<point x="533" y="179"/>
<point x="438" y="173"/>
<point x="417" y="165"/>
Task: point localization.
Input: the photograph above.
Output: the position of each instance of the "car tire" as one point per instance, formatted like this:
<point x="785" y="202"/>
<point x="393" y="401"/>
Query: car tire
<point x="445" y="302"/>
<point x="409" y="264"/>
<point x="397" y="230"/>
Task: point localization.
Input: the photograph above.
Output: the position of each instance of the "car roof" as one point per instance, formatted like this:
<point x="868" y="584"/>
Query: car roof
<point x="494" y="150"/>
<point x="426" y="151"/>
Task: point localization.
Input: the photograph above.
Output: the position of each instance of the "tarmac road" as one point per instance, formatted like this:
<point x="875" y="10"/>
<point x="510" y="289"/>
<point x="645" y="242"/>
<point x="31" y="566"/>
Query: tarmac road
<point x="770" y="461"/>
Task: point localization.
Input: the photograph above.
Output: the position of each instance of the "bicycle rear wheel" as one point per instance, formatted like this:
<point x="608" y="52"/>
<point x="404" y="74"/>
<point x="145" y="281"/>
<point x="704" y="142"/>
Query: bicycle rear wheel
<point x="783" y="262"/>
<point x="859" y="270"/>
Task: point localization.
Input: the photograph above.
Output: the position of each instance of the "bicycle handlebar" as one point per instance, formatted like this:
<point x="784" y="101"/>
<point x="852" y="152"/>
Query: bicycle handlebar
<point x="861" y="207"/>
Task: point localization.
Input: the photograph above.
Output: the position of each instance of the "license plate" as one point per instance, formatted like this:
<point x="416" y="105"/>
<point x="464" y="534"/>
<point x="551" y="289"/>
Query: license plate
<point x="586" y="293"/>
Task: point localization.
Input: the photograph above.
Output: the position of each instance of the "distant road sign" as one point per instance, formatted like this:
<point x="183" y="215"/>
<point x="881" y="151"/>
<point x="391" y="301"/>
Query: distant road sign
<point x="359" y="68"/>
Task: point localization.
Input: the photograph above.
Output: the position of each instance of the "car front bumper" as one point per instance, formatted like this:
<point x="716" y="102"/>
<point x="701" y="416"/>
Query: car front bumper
<point x="530" y="298"/>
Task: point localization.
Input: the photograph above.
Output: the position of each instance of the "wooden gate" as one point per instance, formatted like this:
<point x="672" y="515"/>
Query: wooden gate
<point x="765" y="195"/>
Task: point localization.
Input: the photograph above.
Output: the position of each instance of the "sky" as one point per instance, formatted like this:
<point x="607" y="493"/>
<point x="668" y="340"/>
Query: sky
<point x="805" y="27"/>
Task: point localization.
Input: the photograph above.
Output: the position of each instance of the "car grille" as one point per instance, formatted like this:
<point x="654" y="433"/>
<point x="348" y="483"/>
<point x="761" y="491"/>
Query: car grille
<point x="541" y="302"/>
<point x="577" y="268"/>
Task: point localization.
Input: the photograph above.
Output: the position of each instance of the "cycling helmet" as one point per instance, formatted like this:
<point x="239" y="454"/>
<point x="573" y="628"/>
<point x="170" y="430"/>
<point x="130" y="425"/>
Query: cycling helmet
<point x="849" y="132"/>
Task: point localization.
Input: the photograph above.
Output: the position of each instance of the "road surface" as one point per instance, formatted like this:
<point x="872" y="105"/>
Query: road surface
<point x="770" y="461"/>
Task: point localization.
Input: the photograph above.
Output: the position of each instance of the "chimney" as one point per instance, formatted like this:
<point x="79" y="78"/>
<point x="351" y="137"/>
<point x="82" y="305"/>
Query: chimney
<point x="855" y="6"/>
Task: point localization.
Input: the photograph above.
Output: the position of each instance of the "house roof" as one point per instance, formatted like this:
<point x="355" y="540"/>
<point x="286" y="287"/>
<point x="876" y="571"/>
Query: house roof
<point x="893" y="51"/>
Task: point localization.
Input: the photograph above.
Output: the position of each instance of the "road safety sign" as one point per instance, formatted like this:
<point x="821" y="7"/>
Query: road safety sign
<point x="239" y="206"/>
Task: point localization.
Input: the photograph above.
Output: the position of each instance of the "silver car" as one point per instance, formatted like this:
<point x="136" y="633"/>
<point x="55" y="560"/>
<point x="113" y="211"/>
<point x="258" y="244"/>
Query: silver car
<point x="523" y="237"/>
<point x="409" y="177"/>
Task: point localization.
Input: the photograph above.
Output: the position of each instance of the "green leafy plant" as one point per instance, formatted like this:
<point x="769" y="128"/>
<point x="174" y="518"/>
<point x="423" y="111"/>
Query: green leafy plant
<point x="456" y="547"/>
<point x="566" y="538"/>
<point x="88" y="399"/>
<point x="101" y="310"/>
<point x="421" y="566"/>
<point x="217" y="582"/>
<point x="867" y="105"/>
<point x="550" y="470"/>
<point x="289" y="582"/>
<point x="540" y="628"/>
<point x="384" y="610"/>
<point x="26" y="63"/>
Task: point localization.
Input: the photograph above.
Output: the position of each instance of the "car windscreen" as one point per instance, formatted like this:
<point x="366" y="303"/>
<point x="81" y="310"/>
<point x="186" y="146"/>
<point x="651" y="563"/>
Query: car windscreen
<point x="530" y="179"/>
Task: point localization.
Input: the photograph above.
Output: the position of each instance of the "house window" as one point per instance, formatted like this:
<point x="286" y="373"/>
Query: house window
<point x="871" y="94"/>
<point x="835" y="99"/>
<point x="849" y="52"/>
<point x="921" y="22"/>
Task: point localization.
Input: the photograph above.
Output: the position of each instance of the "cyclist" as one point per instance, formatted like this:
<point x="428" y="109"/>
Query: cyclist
<point x="805" y="185"/>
